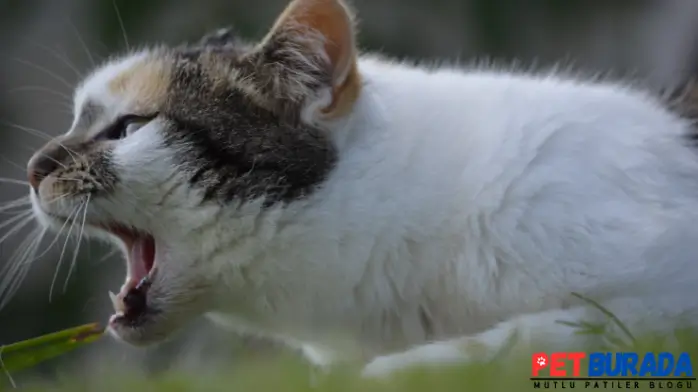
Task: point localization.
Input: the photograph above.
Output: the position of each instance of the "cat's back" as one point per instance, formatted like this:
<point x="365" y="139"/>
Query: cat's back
<point x="501" y="175"/>
<point x="537" y="166"/>
<point x="464" y="101"/>
<point x="471" y="130"/>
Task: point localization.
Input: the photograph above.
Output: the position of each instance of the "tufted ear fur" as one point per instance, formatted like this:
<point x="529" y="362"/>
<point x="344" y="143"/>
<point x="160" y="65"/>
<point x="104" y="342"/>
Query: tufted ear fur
<point x="222" y="40"/>
<point x="221" y="37"/>
<point x="307" y="61"/>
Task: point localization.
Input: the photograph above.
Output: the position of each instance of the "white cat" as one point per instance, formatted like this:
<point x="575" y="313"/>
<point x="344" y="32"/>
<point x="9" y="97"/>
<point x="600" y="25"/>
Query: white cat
<point x="361" y="208"/>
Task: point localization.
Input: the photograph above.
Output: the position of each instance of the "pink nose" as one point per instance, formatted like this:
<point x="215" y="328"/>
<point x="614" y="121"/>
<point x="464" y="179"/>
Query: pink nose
<point x="34" y="178"/>
<point x="43" y="163"/>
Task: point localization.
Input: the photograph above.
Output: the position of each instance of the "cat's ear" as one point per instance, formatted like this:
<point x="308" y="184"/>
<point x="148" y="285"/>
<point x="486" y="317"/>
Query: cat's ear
<point x="224" y="40"/>
<point x="308" y="59"/>
<point x="221" y="37"/>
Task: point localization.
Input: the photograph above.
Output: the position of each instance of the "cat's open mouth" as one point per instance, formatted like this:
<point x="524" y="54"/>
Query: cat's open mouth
<point x="130" y="304"/>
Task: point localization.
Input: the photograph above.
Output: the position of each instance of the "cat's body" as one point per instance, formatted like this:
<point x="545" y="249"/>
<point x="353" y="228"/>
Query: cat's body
<point x="482" y="198"/>
<point x="416" y="205"/>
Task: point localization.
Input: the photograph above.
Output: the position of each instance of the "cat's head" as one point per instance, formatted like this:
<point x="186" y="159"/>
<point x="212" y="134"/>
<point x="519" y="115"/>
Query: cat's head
<point x="175" y="151"/>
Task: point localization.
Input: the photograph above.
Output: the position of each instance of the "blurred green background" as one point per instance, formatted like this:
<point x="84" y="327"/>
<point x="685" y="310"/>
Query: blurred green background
<point x="46" y="44"/>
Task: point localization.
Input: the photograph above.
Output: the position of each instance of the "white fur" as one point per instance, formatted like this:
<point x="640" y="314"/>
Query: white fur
<point x="477" y="199"/>
<point x="487" y="199"/>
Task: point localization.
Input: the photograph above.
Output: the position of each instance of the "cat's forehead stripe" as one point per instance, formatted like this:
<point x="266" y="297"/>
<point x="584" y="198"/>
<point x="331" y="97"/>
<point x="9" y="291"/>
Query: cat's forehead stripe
<point x="146" y="82"/>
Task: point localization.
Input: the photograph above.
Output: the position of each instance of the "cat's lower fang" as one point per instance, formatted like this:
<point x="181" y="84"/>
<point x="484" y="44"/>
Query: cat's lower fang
<point x="117" y="303"/>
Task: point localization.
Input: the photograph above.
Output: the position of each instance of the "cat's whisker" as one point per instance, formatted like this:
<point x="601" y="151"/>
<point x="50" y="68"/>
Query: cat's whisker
<point x="58" y="56"/>
<point x="38" y="133"/>
<point x="63" y="103"/>
<point x="58" y="106"/>
<point x="77" y="245"/>
<point x="10" y="379"/>
<point x="71" y="218"/>
<point x="31" y="131"/>
<point x="5" y="211"/>
<point x="16" y="203"/>
<point x="53" y="242"/>
<point x="23" y="202"/>
<point x="73" y="155"/>
<point x="46" y="71"/>
<point x="10" y="212"/>
<point x="10" y="277"/>
<point x="82" y="43"/>
<point x="19" y="217"/>
<point x="18" y="266"/>
<point x="26" y="183"/>
<point x="19" y="226"/>
<point x="67" y="179"/>
<point x="52" y="159"/>
<point x="38" y="234"/>
<point x="88" y="168"/>
<point x="42" y="89"/>
<point x="13" y="164"/>
<point x="107" y="256"/>
<point x="59" y="198"/>
<point x="23" y="182"/>
<point x="21" y="252"/>
<point x="14" y="181"/>
<point x="121" y="24"/>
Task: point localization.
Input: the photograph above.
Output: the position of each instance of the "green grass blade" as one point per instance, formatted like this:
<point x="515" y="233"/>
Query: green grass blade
<point x="28" y="353"/>
<point x="608" y="313"/>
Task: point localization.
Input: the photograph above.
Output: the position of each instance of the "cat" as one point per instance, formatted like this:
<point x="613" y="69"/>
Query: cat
<point x="364" y="209"/>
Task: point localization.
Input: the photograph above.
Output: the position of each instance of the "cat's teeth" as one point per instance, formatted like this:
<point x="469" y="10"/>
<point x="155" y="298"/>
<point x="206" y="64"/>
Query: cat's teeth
<point x="144" y="283"/>
<point x="117" y="303"/>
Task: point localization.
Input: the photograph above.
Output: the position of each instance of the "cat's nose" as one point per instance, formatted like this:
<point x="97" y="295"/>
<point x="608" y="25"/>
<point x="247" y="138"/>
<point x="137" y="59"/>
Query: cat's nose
<point x="39" y="167"/>
<point x="43" y="163"/>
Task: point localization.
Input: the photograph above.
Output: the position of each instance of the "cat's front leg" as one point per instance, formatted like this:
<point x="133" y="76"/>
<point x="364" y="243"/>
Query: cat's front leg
<point x="320" y="362"/>
<point x="429" y="354"/>
<point x="524" y="335"/>
<point x="478" y="348"/>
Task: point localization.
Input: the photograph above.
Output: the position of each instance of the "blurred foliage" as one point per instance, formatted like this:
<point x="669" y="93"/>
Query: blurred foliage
<point x="289" y="374"/>
<point x="116" y="16"/>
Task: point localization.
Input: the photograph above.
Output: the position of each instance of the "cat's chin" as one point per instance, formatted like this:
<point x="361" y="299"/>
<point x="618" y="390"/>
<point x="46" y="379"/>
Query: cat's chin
<point x="162" y="310"/>
<point x="158" y="296"/>
<point x="144" y="314"/>
<point x="153" y="327"/>
<point x="134" y="311"/>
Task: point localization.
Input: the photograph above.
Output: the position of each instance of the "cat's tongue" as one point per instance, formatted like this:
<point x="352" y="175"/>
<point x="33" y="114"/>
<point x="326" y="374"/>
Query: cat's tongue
<point x="141" y="257"/>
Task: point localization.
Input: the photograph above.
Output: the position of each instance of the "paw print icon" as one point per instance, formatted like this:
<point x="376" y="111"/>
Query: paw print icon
<point x="541" y="361"/>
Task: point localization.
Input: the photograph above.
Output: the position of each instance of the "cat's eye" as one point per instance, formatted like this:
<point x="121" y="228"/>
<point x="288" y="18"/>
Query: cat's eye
<point x="125" y="126"/>
<point x="134" y="124"/>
